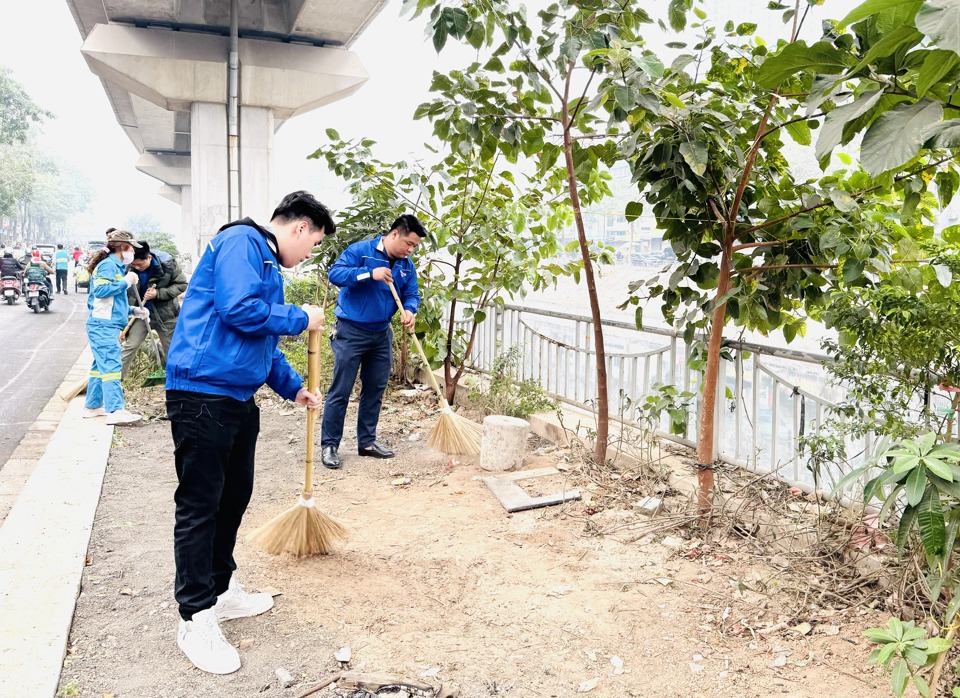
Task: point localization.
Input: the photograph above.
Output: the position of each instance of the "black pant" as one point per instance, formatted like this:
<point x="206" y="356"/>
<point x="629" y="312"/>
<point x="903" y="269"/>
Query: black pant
<point x="370" y="353"/>
<point x="61" y="280"/>
<point x="214" y="440"/>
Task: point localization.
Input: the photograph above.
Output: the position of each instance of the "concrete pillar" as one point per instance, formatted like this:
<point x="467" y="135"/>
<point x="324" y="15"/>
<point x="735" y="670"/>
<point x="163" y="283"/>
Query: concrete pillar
<point x="186" y="226"/>
<point x="256" y="163"/>
<point x="504" y="442"/>
<point x="208" y="166"/>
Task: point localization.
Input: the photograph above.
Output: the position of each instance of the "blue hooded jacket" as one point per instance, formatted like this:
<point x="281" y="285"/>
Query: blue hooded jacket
<point x="232" y="316"/>
<point x="364" y="300"/>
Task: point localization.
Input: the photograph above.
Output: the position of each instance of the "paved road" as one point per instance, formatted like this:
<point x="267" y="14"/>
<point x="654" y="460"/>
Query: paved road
<point x="36" y="351"/>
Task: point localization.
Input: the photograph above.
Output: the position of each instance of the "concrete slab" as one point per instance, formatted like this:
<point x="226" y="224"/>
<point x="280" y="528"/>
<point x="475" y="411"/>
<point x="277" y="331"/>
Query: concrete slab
<point x="43" y="546"/>
<point x="513" y="498"/>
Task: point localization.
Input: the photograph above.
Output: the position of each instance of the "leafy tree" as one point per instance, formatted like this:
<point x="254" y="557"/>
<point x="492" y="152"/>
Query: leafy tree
<point x="485" y="237"/>
<point x="160" y="241"/>
<point x="17" y="176"/>
<point x="140" y="223"/>
<point x="532" y="96"/>
<point x="17" y="110"/>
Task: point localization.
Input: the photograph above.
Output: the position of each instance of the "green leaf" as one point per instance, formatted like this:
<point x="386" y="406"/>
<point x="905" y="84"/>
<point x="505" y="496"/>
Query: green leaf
<point x="842" y="200"/>
<point x="930" y="521"/>
<point x="832" y="132"/>
<point x="872" y="7"/>
<point x="695" y="155"/>
<point x="649" y="64"/>
<point x="940" y="21"/>
<point x="332" y="134"/>
<point x="889" y="45"/>
<point x="879" y="635"/>
<point x="674" y="100"/>
<point x="943" y="134"/>
<point x="852" y="270"/>
<point x="633" y="211"/>
<point x="625" y="97"/>
<point x="899" y="678"/>
<point x="937" y="65"/>
<point x="677" y="14"/>
<point x="799" y="131"/>
<point x="907" y="519"/>
<point x="638" y="317"/>
<point x="938" y="468"/>
<point x="896" y="136"/>
<point x="822" y="58"/>
<point x="936" y="645"/>
<point x="916" y="483"/>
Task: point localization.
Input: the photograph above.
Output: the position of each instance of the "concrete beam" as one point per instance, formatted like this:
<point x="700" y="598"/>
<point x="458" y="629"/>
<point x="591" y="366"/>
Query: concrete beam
<point x="170" y="69"/>
<point x="170" y="193"/>
<point x="169" y="169"/>
<point x="175" y="69"/>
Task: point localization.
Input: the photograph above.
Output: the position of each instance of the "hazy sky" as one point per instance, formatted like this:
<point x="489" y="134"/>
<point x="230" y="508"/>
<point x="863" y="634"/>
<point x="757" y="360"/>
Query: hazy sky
<point x="40" y="43"/>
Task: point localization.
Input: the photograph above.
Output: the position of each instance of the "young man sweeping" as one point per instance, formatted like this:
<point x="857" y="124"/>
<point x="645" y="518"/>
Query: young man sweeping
<point x="224" y="348"/>
<point x="363" y="340"/>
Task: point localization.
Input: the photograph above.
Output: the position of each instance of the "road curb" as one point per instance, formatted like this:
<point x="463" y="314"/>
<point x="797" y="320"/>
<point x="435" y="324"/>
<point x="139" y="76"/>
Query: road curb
<point x="44" y="539"/>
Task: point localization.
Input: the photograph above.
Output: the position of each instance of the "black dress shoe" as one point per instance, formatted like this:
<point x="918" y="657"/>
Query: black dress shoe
<point x="329" y="458"/>
<point x="375" y="450"/>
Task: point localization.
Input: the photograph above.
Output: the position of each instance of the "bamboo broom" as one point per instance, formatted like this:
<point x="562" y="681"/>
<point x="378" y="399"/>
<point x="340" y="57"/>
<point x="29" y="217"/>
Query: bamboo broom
<point x="303" y="529"/>
<point x="453" y="434"/>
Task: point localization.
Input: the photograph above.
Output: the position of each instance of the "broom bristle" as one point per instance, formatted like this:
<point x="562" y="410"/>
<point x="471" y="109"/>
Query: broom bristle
<point x="455" y="435"/>
<point x="302" y="530"/>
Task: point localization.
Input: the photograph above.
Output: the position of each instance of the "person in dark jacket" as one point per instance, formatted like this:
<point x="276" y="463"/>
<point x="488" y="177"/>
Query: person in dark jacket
<point x="224" y="349"/>
<point x="9" y="266"/>
<point x="161" y="285"/>
<point x="363" y="341"/>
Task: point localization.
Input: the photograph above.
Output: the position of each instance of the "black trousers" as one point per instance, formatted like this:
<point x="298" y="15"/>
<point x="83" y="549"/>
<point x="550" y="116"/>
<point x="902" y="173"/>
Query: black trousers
<point x="61" y="279"/>
<point x="215" y="441"/>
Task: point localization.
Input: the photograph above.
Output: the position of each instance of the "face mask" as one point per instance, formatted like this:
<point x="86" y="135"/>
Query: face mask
<point x="126" y="257"/>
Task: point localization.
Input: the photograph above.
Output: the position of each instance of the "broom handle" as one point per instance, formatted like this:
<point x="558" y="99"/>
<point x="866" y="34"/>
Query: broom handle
<point x="313" y="385"/>
<point x="433" y="379"/>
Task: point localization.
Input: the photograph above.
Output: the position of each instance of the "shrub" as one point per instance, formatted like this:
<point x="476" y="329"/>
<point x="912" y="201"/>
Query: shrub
<point x="506" y="394"/>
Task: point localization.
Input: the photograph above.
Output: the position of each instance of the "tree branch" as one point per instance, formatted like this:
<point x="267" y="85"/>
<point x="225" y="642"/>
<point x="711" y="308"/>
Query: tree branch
<point x="747" y="245"/>
<point x="773" y="267"/>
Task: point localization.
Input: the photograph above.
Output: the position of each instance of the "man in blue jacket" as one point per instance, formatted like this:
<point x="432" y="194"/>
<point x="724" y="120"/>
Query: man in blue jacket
<point x="224" y="348"/>
<point x="363" y="340"/>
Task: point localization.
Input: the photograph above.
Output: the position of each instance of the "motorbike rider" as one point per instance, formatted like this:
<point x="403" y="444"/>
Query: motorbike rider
<point x="38" y="270"/>
<point x="9" y="266"/>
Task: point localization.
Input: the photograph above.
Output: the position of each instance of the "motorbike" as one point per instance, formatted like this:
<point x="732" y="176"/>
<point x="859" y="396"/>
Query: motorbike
<point x="38" y="298"/>
<point x="10" y="289"/>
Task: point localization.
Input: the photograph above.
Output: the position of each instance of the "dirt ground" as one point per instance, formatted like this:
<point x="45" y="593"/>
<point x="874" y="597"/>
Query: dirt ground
<point x="439" y="584"/>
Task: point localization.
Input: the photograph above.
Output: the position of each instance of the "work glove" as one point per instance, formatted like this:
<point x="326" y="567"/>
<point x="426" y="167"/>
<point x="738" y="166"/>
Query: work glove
<point x="141" y="313"/>
<point x="131" y="277"/>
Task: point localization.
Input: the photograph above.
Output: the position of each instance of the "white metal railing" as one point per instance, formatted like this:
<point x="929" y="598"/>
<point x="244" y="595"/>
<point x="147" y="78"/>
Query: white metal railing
<point x="768" y="397"/>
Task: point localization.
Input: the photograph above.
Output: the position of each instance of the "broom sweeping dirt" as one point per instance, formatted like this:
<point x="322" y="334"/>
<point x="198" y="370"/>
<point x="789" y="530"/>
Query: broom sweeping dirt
<point x="303" y="529"/>
<point x="453" y="434"/>
<point x="159" y="374"/>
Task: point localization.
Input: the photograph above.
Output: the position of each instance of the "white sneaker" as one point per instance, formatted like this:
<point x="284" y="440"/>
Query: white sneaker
<point x="121" y="417"/>
<point x="237" y="603"/>
<point x="89" y="412"/>
<point x="204" y="644"/>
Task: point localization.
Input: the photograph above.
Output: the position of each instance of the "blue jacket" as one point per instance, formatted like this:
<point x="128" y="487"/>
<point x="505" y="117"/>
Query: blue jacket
<point x="365" y="301"/>
<point x="107" y="302"/>
<point x="233" y="314"/>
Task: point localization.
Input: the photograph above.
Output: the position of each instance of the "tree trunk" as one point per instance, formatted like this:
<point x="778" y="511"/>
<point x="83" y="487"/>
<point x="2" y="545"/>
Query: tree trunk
<point x="603" y="411"/>
<point x="705" y="454"/>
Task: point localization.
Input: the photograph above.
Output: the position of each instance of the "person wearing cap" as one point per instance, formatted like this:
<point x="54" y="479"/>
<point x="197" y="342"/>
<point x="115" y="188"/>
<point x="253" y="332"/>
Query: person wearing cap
<point x="224" y="349"/>
<point x="108" y="306"/>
